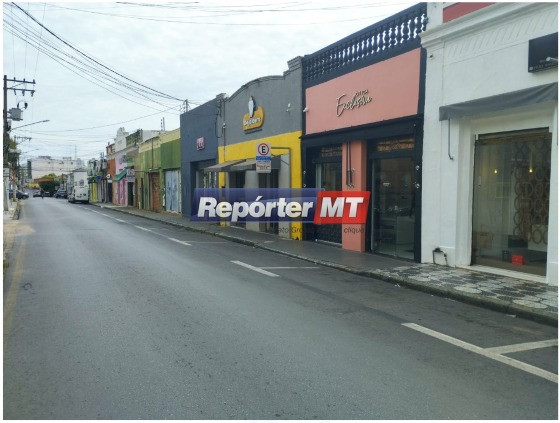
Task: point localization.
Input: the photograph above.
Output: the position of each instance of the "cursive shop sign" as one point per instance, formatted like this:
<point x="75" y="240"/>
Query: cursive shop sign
<point x="361" y="98"/>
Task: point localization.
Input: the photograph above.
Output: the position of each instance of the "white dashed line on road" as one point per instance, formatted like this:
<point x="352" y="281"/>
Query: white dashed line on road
<point x="179" y="241"/>
<point x="290" y="267"/>
<point x="486" y="352"/>
<point x="144" y="229"/>
<point x="256" y="269"/>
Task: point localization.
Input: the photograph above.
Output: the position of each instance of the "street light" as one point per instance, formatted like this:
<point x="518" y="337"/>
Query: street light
<point x="41" y="121"/>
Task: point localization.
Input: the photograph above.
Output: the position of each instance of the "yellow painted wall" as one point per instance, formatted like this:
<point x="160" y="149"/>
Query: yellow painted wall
<point x="149" y="144"/>
<point x="248" y="150"/>
<point x="170" y="135"/>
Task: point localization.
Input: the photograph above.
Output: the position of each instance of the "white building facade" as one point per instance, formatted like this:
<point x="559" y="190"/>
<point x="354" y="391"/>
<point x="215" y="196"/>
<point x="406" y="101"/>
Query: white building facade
<point x="490" y="168"/>
<point x="45" y="165"/>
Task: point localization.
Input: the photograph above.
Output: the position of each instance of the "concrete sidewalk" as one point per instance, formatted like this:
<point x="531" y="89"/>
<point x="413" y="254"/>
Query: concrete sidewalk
<point x="533" y="300"/>
<point x="9" y="230"/>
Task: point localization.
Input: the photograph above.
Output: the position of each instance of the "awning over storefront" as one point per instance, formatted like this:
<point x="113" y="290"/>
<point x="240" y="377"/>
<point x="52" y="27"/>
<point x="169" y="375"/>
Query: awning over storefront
<point x="222" y="167"/>
<point x="526" y="97"/>
<point x="251" y="164"/>
<point x="121" y="175"/>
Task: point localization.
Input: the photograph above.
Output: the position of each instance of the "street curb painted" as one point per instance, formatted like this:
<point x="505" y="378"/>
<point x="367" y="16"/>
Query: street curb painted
<point x="474" y="299"/>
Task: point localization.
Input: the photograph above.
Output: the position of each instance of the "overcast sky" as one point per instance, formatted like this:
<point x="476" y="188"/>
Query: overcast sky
<point x="106" y="65"/>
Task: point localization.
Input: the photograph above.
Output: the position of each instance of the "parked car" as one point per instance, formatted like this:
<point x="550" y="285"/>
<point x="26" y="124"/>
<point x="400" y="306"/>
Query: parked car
<point x="37" y="193"/>
<point x="19" y="194"/>
<point x="61" y="193"/>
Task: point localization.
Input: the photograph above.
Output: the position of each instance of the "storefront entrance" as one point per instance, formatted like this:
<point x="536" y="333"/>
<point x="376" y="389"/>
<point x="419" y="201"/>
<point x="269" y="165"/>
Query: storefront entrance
<point x="511" y="200"/>
<point x="155" y="192"/>
<point x="172" y="190"/>
<point x="393" y="211"/>
<point x="269" y="180"/>
<point x="329" y="177"/>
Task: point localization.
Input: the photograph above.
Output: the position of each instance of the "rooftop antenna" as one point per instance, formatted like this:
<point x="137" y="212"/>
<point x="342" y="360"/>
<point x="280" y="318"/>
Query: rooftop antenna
<point x="163" y="124"/>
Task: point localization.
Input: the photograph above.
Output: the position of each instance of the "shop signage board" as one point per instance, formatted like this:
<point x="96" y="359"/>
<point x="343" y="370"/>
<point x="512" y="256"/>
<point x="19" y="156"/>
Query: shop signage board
<point x="543" y="53"/>
<point x="200" y="145"/>
<point x="264" y="158"/>
<point x="255" y="118"/>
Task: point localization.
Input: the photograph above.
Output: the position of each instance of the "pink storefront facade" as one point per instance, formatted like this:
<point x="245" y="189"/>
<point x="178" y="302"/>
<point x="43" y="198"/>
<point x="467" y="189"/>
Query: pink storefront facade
<point x="121" y="184"/>
<point x="363" y="115"/>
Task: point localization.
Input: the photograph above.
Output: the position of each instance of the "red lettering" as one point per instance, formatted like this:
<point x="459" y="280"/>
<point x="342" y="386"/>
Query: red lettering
<point x="341" y="207"/>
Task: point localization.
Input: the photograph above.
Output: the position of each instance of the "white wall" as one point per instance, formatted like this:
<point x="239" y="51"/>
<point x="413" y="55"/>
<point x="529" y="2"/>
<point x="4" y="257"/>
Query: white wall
<point x="479" y="55"/>
<point x="43" y="166"/>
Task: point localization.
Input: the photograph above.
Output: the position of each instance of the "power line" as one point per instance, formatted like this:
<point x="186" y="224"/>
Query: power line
<point x="40" y="36"/>
<point x="174" y="19"/>
<point x="56" y="55"/>
<point x="156" y="92"/>
<point x="111" y="124"/>
<point x="13" y="45"/>
<point x="25" y="53"/>
<point x="102" y="83"/>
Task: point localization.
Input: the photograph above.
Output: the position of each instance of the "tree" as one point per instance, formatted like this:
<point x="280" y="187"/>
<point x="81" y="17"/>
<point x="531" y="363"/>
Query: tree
<point x="48" y="183"/>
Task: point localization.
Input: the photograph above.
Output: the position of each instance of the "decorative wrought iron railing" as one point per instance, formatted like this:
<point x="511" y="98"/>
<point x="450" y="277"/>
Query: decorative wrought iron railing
<point x="394" y="35"/>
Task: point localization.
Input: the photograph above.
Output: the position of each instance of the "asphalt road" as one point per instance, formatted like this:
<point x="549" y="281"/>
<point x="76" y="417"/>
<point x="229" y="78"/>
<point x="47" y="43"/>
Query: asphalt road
<point x="111" y="316"/>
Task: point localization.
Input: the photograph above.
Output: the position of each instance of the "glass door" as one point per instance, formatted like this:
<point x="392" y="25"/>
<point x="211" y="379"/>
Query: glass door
<point x="329" y="177"/>
<point x="511" y="195"/>
<point x="393" y="207"/>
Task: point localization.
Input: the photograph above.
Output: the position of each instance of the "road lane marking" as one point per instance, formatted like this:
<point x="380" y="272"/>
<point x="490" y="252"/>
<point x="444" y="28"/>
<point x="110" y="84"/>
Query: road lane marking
<point x="144" y="229"/>
<point x="207" y="242"/>
<point x="94" y="211"/>
<point x="485" y="352"/>
<point x="290" y="267"/>
<point x="178" y="241"/>
<point x="507" y="349"/>
<point x="256" y="269"/>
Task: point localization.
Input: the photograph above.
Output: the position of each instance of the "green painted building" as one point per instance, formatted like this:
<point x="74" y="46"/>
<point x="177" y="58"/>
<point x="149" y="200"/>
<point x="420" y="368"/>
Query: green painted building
<point x="158" y="167"/>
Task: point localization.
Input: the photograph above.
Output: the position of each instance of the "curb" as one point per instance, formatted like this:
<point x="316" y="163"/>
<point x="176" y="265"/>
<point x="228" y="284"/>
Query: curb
<point x="473" y="299"/>
<point x="8" y="240"/>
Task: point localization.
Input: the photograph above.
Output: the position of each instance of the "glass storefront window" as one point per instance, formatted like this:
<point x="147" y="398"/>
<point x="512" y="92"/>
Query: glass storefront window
<point x="511" y="200"/>
<point x="206" y="179"/>
<point x="329" y="176"/>
<point x="393" y="207"/>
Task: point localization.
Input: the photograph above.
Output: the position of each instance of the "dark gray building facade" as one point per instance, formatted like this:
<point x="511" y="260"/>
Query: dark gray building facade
<point x="199" y="149"/>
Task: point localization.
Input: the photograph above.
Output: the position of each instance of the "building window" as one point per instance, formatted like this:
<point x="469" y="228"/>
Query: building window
<point x="206" y="179"/>
<point x="210" y="180"/>
<point x="511" y="200"/>
<point x="329" y="176"/>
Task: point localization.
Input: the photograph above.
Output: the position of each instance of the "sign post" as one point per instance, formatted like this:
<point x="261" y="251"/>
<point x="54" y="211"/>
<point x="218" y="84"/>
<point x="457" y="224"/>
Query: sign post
<point x="264" y="158"/>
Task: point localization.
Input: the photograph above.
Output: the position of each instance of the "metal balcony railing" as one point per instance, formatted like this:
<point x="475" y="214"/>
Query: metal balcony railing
<point x="394" y="35"/>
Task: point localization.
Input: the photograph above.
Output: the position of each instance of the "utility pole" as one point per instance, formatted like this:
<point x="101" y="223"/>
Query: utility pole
<point x="6" y="133"/>
<point x="15" y="88"/>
